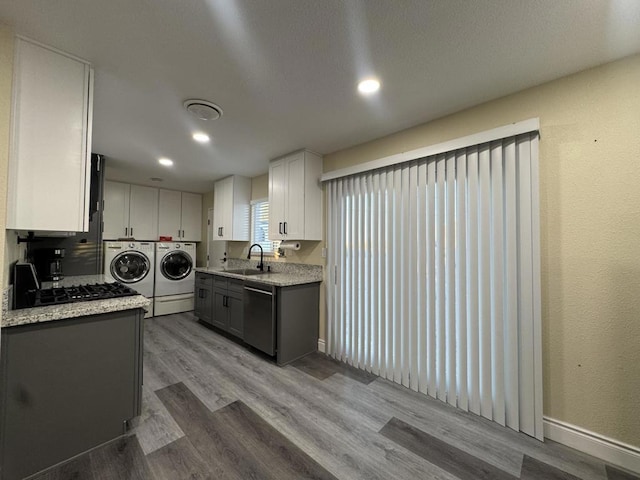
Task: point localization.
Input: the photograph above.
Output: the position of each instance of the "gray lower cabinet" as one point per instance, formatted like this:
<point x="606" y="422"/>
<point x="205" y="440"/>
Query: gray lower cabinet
<point x="67" y="386"/>
<point x="203" y="304"/>
<point x="227" y="309"/>
<point x="223" y="302"/>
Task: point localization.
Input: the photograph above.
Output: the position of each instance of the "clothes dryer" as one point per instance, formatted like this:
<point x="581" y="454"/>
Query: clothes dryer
<point x="175" y="277"/>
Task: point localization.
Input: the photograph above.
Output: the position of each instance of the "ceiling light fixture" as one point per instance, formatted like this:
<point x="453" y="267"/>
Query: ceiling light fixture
<point x="369" y="86"/>
<point x="203" y="109"/>
<point x="201" y="137"/>
<point x="165" y="161"/>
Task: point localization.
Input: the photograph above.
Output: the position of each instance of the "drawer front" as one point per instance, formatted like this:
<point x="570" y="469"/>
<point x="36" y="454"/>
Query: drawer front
<point x="219" y="282"/>
<point x="204" y="280"/>
<point x="236" y="286"/>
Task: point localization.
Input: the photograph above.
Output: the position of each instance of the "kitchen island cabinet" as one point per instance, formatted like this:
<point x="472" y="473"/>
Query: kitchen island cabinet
<point x="228" y="310"/>
<point x="68" y="385"/>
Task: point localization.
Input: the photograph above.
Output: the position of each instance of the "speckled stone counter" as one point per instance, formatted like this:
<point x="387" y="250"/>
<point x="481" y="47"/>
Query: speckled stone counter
<point x="25" y="316"/>
<point x="282" y="274"/>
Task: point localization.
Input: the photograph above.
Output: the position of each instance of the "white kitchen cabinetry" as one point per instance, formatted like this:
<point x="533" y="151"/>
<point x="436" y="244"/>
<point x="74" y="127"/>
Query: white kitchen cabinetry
<point x="130" y="211"/>
<point x="50" y="146"/>
<point x="231" y="208"/>
<point x="180" y="215"/>
<point x="295" y="197"/>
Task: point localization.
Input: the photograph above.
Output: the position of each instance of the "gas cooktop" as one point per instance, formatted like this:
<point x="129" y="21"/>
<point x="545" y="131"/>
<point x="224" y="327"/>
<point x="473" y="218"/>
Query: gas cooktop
<point x="78" y="293"/>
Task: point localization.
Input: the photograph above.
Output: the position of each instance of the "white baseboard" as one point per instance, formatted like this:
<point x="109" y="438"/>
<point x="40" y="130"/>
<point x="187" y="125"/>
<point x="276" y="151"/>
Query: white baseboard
<point x="321" y="345"/>
<point x="605" y="448"/>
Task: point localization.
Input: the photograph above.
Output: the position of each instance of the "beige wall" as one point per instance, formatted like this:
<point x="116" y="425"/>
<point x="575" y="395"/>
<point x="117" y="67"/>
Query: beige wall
<point x="590" y="234"/>
<point x="6" y="73"/>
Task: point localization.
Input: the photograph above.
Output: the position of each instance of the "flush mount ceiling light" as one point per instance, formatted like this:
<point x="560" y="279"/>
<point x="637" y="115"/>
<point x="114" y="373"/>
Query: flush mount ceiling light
<point x="201" y="137"/>
<point x="369" y="86"/>
<point x="165" y="161"/>
<point x="203" y="109"/>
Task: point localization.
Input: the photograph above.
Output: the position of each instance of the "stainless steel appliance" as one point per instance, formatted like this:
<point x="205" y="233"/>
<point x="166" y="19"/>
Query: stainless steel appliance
<point x="55" y="265"/>
<point x="260" y="317"/>
<point x="75" y="293"/>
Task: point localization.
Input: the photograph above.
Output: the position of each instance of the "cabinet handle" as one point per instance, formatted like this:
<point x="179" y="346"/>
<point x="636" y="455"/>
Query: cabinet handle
<point x="132" y="231"/>
<point x="182" y="233"/>
<point x="285" y="228"/>
<point x="222" y="231"/>
<point x="225" y="301"/>
<point x="126" y="230"/>
<point x="280" y="228"/>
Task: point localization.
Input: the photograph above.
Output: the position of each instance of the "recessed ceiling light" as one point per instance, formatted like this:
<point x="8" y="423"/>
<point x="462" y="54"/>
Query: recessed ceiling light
<point x="165" y="161"/>
<point x="201" y="137"/>
<point x="369" y="86"/>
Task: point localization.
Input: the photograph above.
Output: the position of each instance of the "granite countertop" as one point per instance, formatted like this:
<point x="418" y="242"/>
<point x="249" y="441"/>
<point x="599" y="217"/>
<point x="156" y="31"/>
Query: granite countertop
<point x="278" y="279"/>
<point x="25" y="316"/>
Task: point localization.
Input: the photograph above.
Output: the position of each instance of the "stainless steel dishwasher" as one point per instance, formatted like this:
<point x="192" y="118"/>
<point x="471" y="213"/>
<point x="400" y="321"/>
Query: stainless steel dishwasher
<point x="260" y="317"/>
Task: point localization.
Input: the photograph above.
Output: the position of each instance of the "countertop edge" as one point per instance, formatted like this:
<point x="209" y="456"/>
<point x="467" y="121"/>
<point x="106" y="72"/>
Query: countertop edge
<point x="281" y="279"/>
<point x="30" y="316"/>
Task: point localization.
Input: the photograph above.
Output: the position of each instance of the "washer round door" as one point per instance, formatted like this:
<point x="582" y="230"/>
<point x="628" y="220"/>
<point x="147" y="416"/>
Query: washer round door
<point x="130" y="267"/>
<point x="176" y="265"/>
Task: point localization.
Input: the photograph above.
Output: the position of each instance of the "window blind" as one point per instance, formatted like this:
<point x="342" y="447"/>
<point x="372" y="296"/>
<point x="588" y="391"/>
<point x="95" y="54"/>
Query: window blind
<point x="436" y="280"/>
<point x="260" y="226"/>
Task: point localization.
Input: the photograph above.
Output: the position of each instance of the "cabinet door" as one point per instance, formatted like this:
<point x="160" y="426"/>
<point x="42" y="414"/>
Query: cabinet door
<point x="294" y="197"/>
<point x="235" y="306"/>
<point x="220" y="314"/>
<point x="203" y="305"/>
<point x="49" y="166"/>
<point x="116" y="210"/>
<point x="277" y="180"/>
<point x="191" y="217"/>
<point x="223" y="208"/>
<point x="143" y="213"/>
<point x="169" y="213"/>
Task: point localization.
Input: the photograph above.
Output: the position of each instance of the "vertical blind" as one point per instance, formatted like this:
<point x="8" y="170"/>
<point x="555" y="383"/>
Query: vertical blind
<point x="260" y="226"/>
<point x="436" y="281"/>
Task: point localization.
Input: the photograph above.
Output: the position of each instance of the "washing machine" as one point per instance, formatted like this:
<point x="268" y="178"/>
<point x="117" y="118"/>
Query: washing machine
<point x="133" y="264"/>
<point x="175" y="277"/>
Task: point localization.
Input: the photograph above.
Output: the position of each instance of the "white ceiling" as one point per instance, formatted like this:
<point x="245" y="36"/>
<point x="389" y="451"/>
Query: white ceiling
<point x="285" y="71"/>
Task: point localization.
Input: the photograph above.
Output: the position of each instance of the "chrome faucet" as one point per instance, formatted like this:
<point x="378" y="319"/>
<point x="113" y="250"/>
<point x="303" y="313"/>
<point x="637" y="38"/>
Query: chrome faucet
<point x="261" y="264"/>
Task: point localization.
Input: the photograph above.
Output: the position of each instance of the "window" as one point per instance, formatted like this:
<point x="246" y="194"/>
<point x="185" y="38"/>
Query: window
<point x="260" y="226"/>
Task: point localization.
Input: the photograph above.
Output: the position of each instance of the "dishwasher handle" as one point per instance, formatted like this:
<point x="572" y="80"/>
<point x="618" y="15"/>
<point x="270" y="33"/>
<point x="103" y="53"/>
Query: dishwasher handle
<point x="264" y="292"/>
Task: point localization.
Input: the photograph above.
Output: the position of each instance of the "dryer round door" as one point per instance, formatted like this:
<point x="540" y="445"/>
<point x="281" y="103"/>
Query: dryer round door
<point x="130" y="267"/>
<point x="176" y="265"/>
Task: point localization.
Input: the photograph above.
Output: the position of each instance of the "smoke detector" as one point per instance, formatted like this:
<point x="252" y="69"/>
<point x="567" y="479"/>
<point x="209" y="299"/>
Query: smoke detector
<point x="203" y="109"/>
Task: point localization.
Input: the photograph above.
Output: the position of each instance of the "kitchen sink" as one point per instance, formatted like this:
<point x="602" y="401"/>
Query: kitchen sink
<point x="246" y="271"/>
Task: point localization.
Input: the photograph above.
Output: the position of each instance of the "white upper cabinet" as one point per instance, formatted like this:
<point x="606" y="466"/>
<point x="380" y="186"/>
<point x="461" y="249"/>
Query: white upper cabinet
<point x="50" y="146"/>
<point x="180" y="216"/>
<point x="130" y="211"/>
<point x="295" y="197"/>
<point x="231" y="208"/>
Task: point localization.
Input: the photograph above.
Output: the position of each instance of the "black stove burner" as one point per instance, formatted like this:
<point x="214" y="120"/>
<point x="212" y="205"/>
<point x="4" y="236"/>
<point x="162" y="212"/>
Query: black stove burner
<point x="79" y="293"/>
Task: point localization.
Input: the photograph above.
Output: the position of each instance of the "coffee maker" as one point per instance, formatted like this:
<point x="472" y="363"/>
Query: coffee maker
<point x="51" y="263"/>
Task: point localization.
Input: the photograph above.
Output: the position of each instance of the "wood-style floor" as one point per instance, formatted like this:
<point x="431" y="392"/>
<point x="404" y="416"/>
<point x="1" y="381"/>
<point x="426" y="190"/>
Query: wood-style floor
<point x="213" y="409"/>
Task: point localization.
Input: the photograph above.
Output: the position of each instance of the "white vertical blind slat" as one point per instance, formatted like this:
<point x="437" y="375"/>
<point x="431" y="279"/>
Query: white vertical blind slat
<point x="433" y="278"/>
<point x="473" y="324"/>
<point x="484" y="280"/>
<point x="511" y="368"/>
<point x="440" y="278"/>
<point x="461" y="279"/>
<point x="497" y="284"/>
<point x="536" y="279"/>
<point x="450" y="297"/>
<point x="412" y="274"/>
<point x="422" y="287"/>
<point x="525" y="294"/>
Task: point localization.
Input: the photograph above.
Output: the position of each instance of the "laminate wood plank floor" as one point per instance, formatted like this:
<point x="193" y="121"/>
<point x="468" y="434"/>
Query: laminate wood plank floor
<point x="212" y="409"/>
